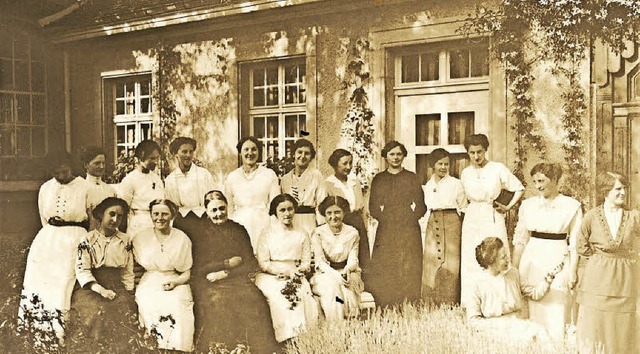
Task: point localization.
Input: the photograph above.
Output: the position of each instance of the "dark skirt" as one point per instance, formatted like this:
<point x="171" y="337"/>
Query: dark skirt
<point x="364" y="254"/>
<point x="109" y="322"/>
<point x="232" y="311"/>
<point x="441" y="265"/>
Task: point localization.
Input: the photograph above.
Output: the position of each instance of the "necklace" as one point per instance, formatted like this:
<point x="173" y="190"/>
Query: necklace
<point x="248" y="176"/>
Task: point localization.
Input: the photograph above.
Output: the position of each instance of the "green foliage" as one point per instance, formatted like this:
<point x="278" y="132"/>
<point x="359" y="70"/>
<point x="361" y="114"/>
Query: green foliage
<point x="280" y="165"/>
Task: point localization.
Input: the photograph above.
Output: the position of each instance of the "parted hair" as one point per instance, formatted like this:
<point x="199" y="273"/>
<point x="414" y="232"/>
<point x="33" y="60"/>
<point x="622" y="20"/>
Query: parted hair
<point x="437" y="155"/>
<point x="553" y="171"/>
<point x="179" y="141"/>
<point x="476" y="139"/>
<point x="214" y="195"/>
<point x="605" y="182"/>
<point x="249" y="138"/>
<point x="300" y="143"/>
<point x="487" y="251"/>
<point x="336" y="155"/>
<point x="173" y="208"/>
<point x="280" y="198"/>
<point x="392" y="145"/>
<point x="331" y="201"/>
<point x="98" y="211"/>
<point x="88" y="153"/>
<point x="146" y="148"/>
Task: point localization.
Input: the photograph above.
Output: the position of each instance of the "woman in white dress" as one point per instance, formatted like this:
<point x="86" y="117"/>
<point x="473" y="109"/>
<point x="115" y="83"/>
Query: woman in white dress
<point x="94" y="161"/>
<point x="545" y="223"/>
<point x="335" y="249"/>
<point x="495" y="305"/>
<point x="141" y="186"/>
<point x="250" y="188"/>
<point x="163" y="296"/>
<point x="50" y="272"/>
<point x="284" y="255"/>
<point x="303" y="183"/>
<point x="483" y="181"/>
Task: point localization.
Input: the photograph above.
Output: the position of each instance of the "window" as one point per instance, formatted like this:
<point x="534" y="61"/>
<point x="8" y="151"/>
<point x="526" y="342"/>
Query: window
<point x="277" y="105"/>
<point x="23" y="98"/>
<point x="132" y="108"/>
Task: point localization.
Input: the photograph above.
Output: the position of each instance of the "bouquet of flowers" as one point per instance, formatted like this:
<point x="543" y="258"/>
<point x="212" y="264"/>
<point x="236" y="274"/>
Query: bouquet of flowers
<point x="537" y="292"/>
<point x="290" y="290"/>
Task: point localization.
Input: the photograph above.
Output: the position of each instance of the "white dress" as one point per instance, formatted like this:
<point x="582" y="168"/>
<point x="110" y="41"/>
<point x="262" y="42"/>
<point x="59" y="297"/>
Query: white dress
<point x="306" y="189"/>
<point x="138" y="190"/>
<point x="249" y="198"/>
<point x="97" y="191"/>
<point x="561" y="215"/>
<point x="187" y="190"/>
<point x="50" y="271"/>
<point x="169" y="312"/>
<point x="332" y="253"/>
<point x="482" y="186"/>
<point x="280" y="250"/>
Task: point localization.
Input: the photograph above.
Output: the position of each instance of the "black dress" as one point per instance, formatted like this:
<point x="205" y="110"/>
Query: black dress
<point x="231" y="310"/>
<point x="397" y="202"/>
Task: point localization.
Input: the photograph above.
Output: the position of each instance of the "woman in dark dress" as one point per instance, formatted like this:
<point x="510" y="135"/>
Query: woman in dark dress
<point x="229" y="308"/>
<point x="397" y="202"/>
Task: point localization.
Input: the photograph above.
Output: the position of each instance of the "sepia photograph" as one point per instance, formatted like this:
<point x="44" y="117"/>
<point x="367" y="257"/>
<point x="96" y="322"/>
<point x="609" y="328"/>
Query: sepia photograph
<point x="320" y="176"/>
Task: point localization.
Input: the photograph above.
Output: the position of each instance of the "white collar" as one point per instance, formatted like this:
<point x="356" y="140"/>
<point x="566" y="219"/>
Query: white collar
<point x="351" y="181"/>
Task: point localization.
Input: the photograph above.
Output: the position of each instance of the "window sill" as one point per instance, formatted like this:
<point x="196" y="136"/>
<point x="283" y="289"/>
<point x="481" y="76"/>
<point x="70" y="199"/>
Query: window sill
<point x="20" y="186"/>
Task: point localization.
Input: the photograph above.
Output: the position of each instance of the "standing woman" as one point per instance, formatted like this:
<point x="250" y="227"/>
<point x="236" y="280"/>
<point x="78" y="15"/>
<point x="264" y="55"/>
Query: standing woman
<point x="141" y="186"/>
<point x="608" y="294"/>
<point x="445" y="198"/>
<point x="250" y="188"/>
<point x="50" y="272"/>
<point x="187" y="185"/>
<point x="545" y="223"/>
<point x="284" y="255"/>
<point x="343" y="184"/>
<point x="163" y="295"/>
<point x="483" y="181"/>
<point x="303" y="184"/>
<point x="94" y="162"/>
<point x="397" y="202"/>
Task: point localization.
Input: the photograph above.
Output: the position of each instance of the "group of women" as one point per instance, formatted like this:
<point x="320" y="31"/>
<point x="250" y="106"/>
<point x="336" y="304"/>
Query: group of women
<point x="297" y="248"/>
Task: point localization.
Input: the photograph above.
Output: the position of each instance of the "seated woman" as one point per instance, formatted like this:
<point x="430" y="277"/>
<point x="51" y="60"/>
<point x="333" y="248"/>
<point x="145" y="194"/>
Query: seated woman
<point x="337" y="278"/>
<point x="496" y="302"/>
<point x="163" y="296"/>
<point x="284" y="255"/>
<point x="104" y="269"/>
<point x="229" y="308"/>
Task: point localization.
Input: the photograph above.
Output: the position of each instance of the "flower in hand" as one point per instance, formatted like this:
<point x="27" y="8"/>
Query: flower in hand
<point x="290" y="290"/>
<point x="215" y="276"/>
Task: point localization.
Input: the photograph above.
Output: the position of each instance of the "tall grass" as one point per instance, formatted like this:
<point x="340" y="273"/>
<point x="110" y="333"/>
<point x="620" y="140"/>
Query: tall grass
<point x="414" y="329"/>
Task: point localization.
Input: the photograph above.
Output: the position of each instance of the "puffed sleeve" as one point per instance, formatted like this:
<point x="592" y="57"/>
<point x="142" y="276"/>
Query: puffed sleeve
<point x="583" y="246"/>
<point x="183" y="259"/>
<point x="509" y="181"/>
<point x="574" y="228"/>
<point x="84" y="264"/>
<point x="521" y="235"/>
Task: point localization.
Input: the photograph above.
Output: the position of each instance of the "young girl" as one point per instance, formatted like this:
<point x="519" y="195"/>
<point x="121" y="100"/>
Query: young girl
<point x="496" y="301"/>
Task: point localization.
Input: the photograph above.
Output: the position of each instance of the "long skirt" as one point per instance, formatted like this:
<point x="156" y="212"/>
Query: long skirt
<point x="480" y="221"/>
<point x="364" y="252"/>
<point x="254" y="219"/>
<point x="166" y="314"/>
<point x="230" y="313"/>
<point x="49" y="278"/>
<point x="106" y="321"/>
<point x="441" y="264"/>
<point x="613" y="332"/>
<point x="288" y="319"/>
<point x="338" y="299"/>
<point x="553" y="311"/>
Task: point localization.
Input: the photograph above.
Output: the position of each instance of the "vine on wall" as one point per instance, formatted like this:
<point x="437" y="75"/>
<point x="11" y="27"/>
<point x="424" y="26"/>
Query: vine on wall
<point x="526" y="32"/>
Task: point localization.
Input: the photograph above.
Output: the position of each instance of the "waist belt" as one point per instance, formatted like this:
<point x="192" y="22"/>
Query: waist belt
<point x="338" y="265"/>
<point x="304" y="209"/>
<point x="548" y="236"/>
<point x="445" y="209"/>
<point x="53" y="221"/>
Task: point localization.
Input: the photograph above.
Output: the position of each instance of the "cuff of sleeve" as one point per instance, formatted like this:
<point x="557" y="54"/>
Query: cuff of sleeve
<point x="85" y="282"/>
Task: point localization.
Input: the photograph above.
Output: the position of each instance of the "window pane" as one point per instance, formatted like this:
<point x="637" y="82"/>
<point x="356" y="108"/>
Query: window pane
<point x="22" y="75"/>
<point x="38" y="140"/>
<point x="130" y="106"/>
<point x="147" y="132"/>
<point x="21" y="46"/>
<point x="427" y="129"/>
<point x="291" y="94"/>
<point x="130" y="89"/>
<point x="6" y="108"/>
<point x="119" y="107"/>
<point x="258" y="127"/>
<point x="271" y="148"/>
<point x="459" y="63"/>
<point x="258" y="97"/>
<point x="457" y="164"/>
<point x="23" y="141"/>
<point x="145" y="87"/>
<point x="24" y="108"/>
<point x="272" y="75"/>
<point x="291" y="126"/>
<point x="302" y="122"/>
<point x="120" y="90"/>
<point x="460" y="126"/>
<point x="6" y="44"/>
<point x="6" y="74"/>
<point x="38" y="112"/>
<point x="272" y="96"/>
<point x="480" y="62"/>
<point x="288" y="147"/>
<point x="429" y="67"/>
<point x="145" y="105"/>
<point x="293" y="74"/>
<point x="303" y="94"/>
<point x="120" y="134"/>
<point x="423" y="168"/>
<point x="37" y="76"/>
<point x="131" y="134"/>
<point x="258" y="77"/>
<point x="6" y="142"/>
<point x="272" y="127"/>
<point x="410" y="68"/>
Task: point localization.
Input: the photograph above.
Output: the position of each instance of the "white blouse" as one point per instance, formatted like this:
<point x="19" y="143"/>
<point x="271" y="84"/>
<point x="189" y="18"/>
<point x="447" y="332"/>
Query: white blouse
<point x="97" y="191"/>
<point x="305" y="188"/>
<point x="66" y="201"/>
<point x="187" y="190"/>
<point x="255" y="190"/>
<point x="483" y="184"/>
<point x="97" y="250"/>
<point x="559" y="215"/>
<point x="448" y="193"/>
<point x="139" y="189"/>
